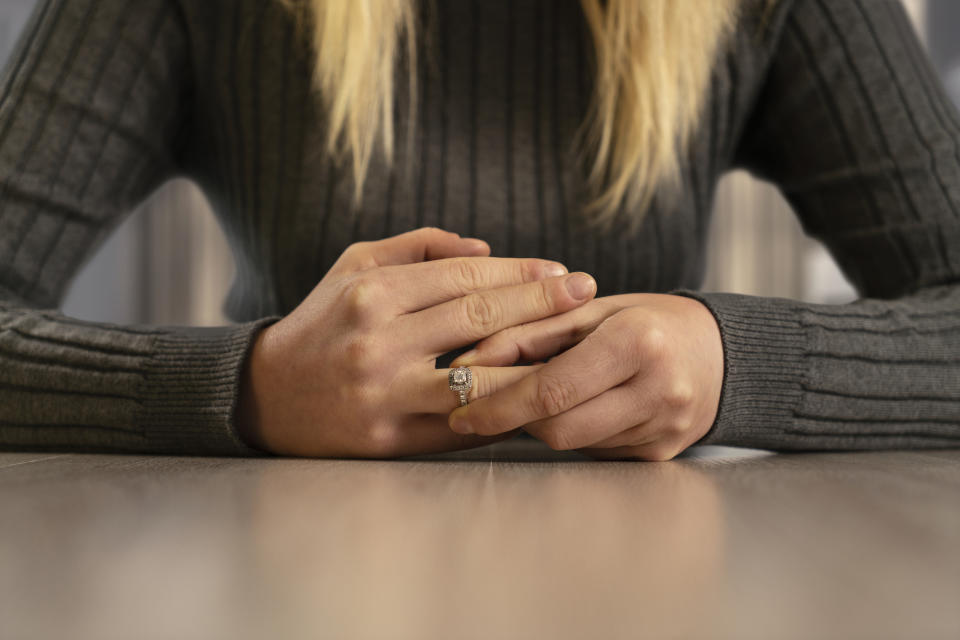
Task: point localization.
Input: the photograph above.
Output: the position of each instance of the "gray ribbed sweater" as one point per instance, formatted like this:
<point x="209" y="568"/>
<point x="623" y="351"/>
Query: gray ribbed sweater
<point x="832" y="100"/>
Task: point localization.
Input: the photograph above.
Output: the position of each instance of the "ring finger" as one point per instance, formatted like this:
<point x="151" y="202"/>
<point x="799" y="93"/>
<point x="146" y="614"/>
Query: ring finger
<point x="431" y="393"/>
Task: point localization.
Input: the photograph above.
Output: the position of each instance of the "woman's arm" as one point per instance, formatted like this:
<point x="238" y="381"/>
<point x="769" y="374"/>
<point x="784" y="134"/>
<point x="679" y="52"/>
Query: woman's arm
<point x="92" y="114"/>
<point x="92" y="105"/>
<point x="854" y="127"/>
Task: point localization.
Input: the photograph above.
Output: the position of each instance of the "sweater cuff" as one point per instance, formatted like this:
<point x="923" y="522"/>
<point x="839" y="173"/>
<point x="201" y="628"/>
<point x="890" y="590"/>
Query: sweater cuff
<point x="763" y="367"/>
<point x="191" y="386"/>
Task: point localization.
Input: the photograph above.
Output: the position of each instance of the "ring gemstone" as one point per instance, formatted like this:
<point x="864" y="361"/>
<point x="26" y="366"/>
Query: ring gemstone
<point x="460" y="379"/>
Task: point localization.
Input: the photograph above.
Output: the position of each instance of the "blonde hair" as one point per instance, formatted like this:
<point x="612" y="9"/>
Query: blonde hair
<point x="653" y="60"/>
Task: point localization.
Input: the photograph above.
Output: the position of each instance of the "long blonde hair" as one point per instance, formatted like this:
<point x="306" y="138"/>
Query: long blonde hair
<point x="653" y="60"/>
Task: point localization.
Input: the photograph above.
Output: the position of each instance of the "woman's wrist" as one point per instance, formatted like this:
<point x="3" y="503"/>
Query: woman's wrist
<point x="248" y="417"/>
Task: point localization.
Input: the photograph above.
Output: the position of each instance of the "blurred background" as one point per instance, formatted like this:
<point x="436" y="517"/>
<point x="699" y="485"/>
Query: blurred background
<point x="169" y="263"/>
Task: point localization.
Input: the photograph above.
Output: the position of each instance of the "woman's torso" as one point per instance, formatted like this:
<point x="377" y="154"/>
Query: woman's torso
<point x="503" y="88"/>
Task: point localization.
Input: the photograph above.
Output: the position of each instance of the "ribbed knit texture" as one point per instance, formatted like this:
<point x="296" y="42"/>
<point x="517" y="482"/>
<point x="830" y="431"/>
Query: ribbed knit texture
<point x="832" y="100"/>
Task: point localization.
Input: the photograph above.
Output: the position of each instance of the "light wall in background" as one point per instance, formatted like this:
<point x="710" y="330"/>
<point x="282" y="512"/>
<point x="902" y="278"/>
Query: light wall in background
<point x="756" y="244"/>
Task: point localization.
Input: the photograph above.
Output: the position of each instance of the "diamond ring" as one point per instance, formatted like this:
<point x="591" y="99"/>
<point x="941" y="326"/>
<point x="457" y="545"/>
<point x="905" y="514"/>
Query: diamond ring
<point x="460" y="381"/>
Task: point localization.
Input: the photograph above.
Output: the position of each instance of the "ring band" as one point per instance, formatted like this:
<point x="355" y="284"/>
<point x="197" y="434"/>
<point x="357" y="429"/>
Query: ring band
<point x="460" y="381"/>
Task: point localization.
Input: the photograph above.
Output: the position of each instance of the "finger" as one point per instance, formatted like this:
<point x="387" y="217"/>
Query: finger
<point x="427" y="284"/>
<point x="428" y="243"/>
<point x="638" y="434"/>
<point x="431" y="393"/>
<point x="601" y="418"/>
<point x="657" y="450"/>
<point x="429" y="433"/>
<point x="660" y="438"/>
<point x="596" y="364"/>
<point x="452" y="324"/>
<point x="539" y="339"/>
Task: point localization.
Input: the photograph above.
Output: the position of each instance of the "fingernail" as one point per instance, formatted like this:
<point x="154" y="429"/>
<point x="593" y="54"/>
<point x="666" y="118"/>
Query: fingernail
<point x="581" y="286"/>
<point x="476" y="246"/>
<point x="554" y="269"/>
<point x="460" y="424"/>
<point x="464" y="359"/>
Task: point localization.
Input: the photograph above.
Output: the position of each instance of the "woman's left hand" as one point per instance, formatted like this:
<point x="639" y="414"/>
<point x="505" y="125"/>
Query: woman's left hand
<point x="641" y="377"/>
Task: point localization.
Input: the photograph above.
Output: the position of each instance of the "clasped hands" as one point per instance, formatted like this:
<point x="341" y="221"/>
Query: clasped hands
<point x="351" y="371"/>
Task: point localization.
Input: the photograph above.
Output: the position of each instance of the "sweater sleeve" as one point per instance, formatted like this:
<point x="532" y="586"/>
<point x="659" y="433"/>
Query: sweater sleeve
<point x="92" y="105"/>
<point x="853" y="126"/>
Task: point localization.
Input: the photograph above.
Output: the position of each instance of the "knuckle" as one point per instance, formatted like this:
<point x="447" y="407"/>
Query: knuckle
<point x="481" y="313"/>
<point x="661" y="452"/>
<point x="679" y="395"/>
<point x="362" y="298"/>
<point x="436" y="232"/>
<point x="651" y="343"/>
<point x="544" y="299"/>
<point x="559" y="440"/>
<point x="496" y="342"/>
<point x="553" y="395"/>
<point x="382" y="439"/>
<point x="505" y="343"/>
<point x="512" y="343"/>
<point x="530" y="270"/>
<point x="470" y="274"/>
<point x="429" y="236"/>
<point x="676" y="427"/>
<point x="357" y="249"/>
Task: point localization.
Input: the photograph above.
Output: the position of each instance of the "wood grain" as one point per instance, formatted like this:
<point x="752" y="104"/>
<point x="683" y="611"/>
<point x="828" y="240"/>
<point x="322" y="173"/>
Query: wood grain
<point x="509" y="541"/>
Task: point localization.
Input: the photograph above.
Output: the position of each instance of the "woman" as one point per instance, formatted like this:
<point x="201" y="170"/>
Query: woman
<point x="291" y="133"/>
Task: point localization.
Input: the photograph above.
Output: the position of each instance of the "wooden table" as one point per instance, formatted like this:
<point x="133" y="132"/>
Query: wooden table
<point x="509" y="541"/>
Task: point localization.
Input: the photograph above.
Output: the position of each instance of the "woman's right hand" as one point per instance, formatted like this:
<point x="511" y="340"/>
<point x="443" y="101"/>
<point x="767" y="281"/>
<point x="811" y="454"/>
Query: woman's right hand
<point x="351" y="372"/>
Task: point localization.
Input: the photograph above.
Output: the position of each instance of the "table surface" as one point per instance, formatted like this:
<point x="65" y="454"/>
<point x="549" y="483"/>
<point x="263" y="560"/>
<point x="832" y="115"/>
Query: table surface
<point x="508" y="541"/>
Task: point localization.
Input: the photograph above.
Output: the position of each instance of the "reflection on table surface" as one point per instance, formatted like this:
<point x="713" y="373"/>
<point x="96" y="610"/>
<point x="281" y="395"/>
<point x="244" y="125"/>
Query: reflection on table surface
<point x="512" y="541"/>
